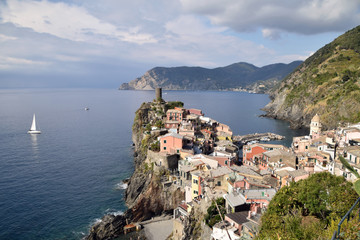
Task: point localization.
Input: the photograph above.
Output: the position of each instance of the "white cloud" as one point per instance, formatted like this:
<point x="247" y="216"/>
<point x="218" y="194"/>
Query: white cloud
<point x="4" y="38"/>
<point x="271" y="34"/>
<point x="12" y="62"/>
<point x="304" y="17"/>
<point x="93" y="38"/>
<point x="191" y="41"/>
<point x="67" y="21"/>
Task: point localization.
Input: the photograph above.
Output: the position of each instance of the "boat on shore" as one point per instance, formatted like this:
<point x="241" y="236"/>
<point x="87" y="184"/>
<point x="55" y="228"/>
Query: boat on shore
<point x="33" y="129"/>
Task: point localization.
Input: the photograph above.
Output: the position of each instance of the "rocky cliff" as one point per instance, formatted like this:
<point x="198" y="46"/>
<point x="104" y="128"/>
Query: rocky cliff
<point x="327" y="83"/>
<point x="146" y="195"/>
<point x="237" y="76"/>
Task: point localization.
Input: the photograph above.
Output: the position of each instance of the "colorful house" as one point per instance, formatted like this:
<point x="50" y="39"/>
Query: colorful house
<point x="174" y="115"/>
<point x="223" y="128"/>
<point x="196" y="188"/>
<point x="250" y="151"/>
<point x="171" y="143"/>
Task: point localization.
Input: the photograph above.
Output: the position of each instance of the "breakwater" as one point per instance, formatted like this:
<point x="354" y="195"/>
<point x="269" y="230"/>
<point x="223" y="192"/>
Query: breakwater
<point x="243" y="139"/>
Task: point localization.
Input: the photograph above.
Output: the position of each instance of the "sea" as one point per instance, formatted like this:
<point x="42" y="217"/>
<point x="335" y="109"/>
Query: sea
<point x="55" y="185"/>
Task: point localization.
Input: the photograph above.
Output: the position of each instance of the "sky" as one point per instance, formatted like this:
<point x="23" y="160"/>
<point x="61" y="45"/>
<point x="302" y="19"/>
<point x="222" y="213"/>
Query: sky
<point x="101" y="44"/>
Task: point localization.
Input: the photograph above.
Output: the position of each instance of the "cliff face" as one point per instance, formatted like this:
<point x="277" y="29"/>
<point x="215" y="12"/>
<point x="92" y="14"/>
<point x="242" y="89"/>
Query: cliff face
<point x="232" y="77"/>
<point x="327" y="83"/>
<point x="146" y="195"/>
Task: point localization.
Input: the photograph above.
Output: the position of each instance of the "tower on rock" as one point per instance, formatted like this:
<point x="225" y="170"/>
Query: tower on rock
<point x="158" y="94"/>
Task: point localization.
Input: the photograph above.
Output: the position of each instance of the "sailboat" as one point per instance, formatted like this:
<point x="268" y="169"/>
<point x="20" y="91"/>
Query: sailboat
<point x="33" y="129"/>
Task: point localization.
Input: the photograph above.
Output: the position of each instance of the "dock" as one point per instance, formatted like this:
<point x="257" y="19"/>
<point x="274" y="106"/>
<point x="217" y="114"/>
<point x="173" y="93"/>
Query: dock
<point x="244" y="139"/>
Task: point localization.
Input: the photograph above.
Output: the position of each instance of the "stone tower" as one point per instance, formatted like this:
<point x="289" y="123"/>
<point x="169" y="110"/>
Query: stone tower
<point x="158" y="94"/>
<point x="315" y="127"/>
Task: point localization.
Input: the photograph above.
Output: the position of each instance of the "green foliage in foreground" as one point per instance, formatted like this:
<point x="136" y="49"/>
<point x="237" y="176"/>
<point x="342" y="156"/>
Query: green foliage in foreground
<point x="308" y="209"/>
<point x="212" y="217"/>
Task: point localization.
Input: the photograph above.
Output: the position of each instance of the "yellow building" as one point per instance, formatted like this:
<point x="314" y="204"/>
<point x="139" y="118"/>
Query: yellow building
<point x="195" y="184"/>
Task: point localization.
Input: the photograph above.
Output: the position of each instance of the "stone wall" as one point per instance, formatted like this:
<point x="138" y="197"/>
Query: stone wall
<point x="168" y="161"/>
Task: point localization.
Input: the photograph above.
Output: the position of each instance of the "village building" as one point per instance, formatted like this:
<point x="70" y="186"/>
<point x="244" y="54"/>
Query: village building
<point x="186" y="129"/>
<point x="171" y="143"/>
<point x="223" y="132"/>
<point x="173" y="126"/>
<point x="222" y="230"/>
<point x="180" y="215"/>
<point x="237" y="219"/>
<point x="301" y="144"/>
<point x="197" y="187"/>
<point x="249" y="151"/>
<point x="196" y="112"/>
<point x="276" y="159"/>
<point x="174" y="115"/>
<point x="352" y="155"/>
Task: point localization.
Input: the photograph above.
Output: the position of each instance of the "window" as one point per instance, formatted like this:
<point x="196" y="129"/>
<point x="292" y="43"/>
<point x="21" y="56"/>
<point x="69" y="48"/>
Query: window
<point x="178" y="151"/>
<point x="226" y="162"/>
<point x="196" y="192"/>
<point x="195" y="181"/>
<point x="164" y="148"/>
<point x="219" y="183"/>
<point x="164" y="141"/>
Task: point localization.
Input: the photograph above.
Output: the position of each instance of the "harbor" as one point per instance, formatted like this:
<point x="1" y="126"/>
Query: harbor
<point x="256" y="137"/>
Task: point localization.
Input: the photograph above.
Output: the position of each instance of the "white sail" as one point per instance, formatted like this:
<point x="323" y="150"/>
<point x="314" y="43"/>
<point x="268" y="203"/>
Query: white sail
<point x="33" y="127"/>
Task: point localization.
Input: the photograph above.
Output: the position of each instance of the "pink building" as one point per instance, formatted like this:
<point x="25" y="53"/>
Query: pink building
<point x="171" y="143"/>
<point x="237" y="219"/>
<point x="351" y="133"/>
<point x="224" y="161"/>
<point x="172" y="124"/>
<point x="174" y="115"/>
<point x="301" y="144"/>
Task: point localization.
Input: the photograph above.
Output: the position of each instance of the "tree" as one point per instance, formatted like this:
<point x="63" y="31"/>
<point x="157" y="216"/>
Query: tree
<point x="298" y="211"/>
<point x="212" y="217"/>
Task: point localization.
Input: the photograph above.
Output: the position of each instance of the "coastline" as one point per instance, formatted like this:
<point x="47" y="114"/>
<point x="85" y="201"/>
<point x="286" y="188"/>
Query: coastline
<point x="143" y="196"/>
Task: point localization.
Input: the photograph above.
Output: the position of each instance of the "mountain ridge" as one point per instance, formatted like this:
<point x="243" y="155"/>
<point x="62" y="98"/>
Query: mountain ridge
<point x="327" y="83"/>
<point x="236" y="76"/>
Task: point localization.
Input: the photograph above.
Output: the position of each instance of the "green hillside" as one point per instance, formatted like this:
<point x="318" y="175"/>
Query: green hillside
<point x="327" y="83"/>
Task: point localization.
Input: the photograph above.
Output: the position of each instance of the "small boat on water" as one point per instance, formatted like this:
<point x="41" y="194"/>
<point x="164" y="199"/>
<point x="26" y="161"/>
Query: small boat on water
<point x="87" y="109"/>
<point x="33" y="129"/>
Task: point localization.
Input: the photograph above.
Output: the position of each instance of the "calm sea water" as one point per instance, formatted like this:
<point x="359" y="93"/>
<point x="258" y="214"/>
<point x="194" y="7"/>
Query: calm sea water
<point x="56" y="184"/>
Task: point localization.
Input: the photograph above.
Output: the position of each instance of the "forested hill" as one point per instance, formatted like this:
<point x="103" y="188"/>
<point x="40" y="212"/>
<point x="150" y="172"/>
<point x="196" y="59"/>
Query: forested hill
<point x="236" y="76"/>
<point x="327" y="83"/>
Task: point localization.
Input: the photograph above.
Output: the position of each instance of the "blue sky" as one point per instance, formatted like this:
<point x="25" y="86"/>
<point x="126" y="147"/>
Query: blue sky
<point x="91" y="43"/>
